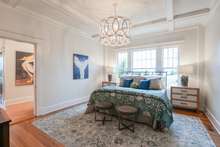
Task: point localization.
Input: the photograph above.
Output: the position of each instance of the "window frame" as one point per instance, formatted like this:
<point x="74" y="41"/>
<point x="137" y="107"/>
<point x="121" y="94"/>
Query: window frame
<point x="159" y="54"/>
<point x="117" y="57"/>
<point x="178" y="56"/>
<point x="141" y="49"/>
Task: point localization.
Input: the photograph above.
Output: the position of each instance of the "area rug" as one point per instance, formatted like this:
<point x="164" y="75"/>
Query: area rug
<point x="74" y="129"/>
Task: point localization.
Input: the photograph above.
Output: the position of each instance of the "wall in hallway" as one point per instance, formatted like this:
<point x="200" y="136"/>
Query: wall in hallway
<point x="12" y="93"/>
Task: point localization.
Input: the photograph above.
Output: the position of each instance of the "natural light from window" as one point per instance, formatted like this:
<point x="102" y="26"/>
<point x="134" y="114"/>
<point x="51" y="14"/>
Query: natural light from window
<point x="165" y="59"/>
<point x="122" y="62"/>
<point x="144" y="59"/>
<point x="170" y="65"/>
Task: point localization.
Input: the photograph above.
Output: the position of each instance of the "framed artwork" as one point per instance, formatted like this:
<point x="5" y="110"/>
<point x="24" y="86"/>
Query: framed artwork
<point x="80" y="66"/>
<point x="24" y="68"/>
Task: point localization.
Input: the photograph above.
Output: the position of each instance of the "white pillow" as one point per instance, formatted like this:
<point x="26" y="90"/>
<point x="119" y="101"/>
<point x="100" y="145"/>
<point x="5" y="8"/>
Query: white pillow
<point x="156" y="84"/>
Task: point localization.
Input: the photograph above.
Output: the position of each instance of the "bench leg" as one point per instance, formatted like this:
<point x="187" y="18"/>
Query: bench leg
<point x="104" y="119"/>
<point x="130" y="127"/>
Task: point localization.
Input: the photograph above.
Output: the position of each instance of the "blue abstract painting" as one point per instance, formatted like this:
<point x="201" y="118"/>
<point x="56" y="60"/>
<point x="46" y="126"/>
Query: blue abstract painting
<point x="80" y="66"/>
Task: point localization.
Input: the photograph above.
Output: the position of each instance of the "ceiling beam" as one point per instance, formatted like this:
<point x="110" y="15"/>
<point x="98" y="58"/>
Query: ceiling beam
<point x="169" y="5"/>
<point x="178" y="17"/>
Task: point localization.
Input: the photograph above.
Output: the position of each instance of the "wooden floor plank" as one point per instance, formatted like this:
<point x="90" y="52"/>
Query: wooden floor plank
<point x="20" y="112"/>
<point x="26" y="135"/>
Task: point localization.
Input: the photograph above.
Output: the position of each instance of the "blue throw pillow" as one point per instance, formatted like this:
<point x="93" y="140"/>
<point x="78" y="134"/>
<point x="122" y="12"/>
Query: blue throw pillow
<point x="144" y="84"/>
<point x="127" y="82"/>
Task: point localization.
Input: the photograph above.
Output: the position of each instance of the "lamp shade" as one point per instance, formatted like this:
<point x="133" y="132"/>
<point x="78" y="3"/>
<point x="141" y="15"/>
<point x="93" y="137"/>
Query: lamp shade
<point x="186" y="69"/>
<point x="109" y="70"/>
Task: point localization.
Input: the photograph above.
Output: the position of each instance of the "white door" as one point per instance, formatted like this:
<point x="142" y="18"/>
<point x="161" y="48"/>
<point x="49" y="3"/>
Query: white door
<point x="2" y="99"/>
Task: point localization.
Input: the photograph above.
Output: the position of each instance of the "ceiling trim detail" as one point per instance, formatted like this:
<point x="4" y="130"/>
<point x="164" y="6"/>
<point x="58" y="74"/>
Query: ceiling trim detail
<point x="46" y="19"/>
<point x="196" y="13"/>
<point x="68" y="13"/>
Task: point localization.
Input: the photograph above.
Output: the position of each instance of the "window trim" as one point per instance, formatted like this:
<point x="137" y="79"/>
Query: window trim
<point x="127" y="57"/>
<point x="159" y="50"/>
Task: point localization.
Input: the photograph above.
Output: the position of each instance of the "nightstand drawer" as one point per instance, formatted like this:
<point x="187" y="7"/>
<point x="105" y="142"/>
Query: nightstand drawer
<point x="185" y="91"/>
<point x="182" y="104"/>
<point x="184" y="97"/>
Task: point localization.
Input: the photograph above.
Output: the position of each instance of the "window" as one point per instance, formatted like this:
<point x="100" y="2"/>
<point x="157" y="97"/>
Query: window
<point x="144" y="59"/>
<point x="122" y="62"/>
<point x="154" y="59"/>
<point x="170" y="57"/>
<point x="170" y="65"/>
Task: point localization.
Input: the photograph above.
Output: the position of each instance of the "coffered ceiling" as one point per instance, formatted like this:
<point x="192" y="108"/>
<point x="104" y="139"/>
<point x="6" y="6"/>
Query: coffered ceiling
<point x="146" y="15"/>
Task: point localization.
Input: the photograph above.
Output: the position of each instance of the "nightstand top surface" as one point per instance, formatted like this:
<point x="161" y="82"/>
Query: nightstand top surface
<point x="184" y="87"/>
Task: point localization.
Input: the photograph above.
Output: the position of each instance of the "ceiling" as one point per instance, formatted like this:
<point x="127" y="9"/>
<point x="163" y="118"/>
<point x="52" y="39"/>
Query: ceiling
<point x="147" y="16"/>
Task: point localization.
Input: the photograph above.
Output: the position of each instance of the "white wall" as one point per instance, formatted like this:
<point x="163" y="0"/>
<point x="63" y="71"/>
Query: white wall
<point x="12" y="93"/>
<point x="56" y="44"/>
<point x="191" y="50"/>
<point x="212" y="67"/>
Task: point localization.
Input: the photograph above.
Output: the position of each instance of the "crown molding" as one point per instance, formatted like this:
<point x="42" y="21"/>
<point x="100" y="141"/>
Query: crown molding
<point x="72" y="13"/>
<point x="158" y="45"/>
<point x="45" y="19"/>
<point x="12" y="3"/>
<point x="214" y="6"/>
<point x="184" y="29"/>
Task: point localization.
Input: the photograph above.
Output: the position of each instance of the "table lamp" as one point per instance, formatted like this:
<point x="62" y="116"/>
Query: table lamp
<point x="185" y="71"/>
<point x="109" y="72"/>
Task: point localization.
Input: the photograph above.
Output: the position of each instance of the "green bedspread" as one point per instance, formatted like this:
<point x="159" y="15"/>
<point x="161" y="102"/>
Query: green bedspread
<point x="153" y="105"/>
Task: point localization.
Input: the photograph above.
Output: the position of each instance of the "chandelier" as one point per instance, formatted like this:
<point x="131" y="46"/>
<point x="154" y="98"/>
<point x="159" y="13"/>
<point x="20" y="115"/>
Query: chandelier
<point x="114" y="30"/>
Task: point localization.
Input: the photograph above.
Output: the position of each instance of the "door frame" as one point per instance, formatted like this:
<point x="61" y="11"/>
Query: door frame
<point x="19" y="37"/>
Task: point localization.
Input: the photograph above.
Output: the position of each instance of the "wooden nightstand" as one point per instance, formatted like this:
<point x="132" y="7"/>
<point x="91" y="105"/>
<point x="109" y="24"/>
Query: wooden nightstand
<point x="185" y="97"/>
<point x="4" y="129"/>
<point x="106" y="83"/>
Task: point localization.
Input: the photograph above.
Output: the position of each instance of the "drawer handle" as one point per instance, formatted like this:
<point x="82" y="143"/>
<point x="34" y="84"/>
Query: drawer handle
<point x="183" y="103"/>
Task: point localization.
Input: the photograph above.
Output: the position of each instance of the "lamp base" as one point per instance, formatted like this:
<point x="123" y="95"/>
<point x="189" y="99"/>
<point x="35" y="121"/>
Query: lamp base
<point x="109" y="77"/>
<point x="184" y="80"/>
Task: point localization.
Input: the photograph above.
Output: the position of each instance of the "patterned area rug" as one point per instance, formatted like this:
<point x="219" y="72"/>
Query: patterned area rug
<point x="75" y="129"/>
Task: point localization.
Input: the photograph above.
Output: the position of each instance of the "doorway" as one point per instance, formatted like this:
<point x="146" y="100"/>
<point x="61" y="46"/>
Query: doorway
<point x="17" y="74"/>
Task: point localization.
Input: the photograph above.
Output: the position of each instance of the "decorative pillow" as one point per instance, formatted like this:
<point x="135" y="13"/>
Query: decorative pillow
<point x="134" y="85"/>
<point x="144" y="84"/>
<point x="137" y="79"/>
<point x="123" y="78"/>
<point x="127" y="82"/>
<point x="156" y="84"/>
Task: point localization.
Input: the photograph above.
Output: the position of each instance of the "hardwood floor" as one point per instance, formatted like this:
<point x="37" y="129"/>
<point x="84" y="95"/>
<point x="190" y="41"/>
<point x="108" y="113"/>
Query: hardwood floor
<point x="20" y="112"/>
<point x="24" y="134"/>
<point x="211" y="130"/>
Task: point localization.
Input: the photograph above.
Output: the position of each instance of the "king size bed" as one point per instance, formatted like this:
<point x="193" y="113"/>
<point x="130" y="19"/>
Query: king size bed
<point x="154" y="107"/>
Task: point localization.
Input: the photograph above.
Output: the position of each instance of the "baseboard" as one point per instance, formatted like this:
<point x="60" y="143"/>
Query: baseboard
<point x="59" y="106"/>
<point x="213" y="120"/>
<point x="18" y="100"/>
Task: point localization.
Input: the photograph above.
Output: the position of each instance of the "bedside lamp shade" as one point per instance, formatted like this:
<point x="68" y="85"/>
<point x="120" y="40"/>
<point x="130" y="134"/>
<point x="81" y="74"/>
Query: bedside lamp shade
<point x="186" y="69"/>
<point x="109" y="69"/>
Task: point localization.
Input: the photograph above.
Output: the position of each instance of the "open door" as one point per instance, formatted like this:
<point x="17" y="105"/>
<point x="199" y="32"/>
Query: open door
<point x="2" y="100"/>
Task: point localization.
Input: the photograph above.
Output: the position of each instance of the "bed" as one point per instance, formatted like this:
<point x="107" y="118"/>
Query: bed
<point x="154" y="107"/>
